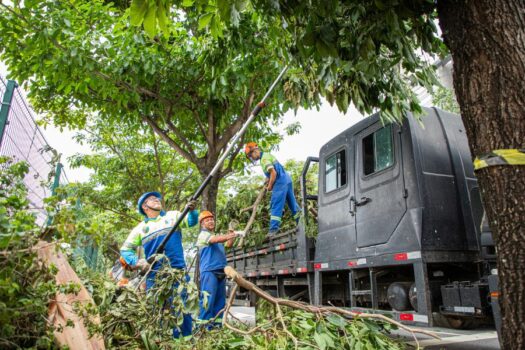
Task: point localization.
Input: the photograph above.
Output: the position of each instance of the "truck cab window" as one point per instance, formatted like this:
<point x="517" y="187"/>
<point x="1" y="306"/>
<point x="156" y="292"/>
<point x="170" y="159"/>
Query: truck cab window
<point x="335" y="171"/>
<point x="378" y="150"/>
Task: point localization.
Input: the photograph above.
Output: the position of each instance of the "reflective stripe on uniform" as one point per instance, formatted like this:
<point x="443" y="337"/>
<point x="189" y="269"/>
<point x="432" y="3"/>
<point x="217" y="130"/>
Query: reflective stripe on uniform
<point x="276" y="218"/>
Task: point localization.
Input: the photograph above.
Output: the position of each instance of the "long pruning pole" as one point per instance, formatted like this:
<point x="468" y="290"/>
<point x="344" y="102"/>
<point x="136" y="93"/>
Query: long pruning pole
<point x="217" y="166"/>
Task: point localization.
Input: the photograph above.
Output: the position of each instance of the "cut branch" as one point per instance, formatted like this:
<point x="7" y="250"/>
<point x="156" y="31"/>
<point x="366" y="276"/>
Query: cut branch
<point x="317" y="310"/>
<point x="258" y="200"/>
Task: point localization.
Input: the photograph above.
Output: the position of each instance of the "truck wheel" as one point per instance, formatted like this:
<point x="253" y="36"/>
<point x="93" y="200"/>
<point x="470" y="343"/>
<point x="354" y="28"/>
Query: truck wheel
<point x="397" y="296"/>
<point x="412" y="295"/>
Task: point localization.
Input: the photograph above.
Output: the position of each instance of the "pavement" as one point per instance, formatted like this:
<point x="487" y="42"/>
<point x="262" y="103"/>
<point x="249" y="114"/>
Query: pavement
<point x="451" y="339"/>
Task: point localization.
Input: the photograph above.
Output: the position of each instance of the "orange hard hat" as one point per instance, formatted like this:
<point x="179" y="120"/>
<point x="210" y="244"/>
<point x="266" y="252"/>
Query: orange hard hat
<point x="250" y="146"/>
<point x="123" y="282"/>
<point x="205" y="214"/>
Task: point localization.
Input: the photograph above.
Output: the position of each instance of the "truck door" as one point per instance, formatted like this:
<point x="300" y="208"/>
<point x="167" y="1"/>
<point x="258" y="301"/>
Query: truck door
<point x="379" y="202"/>
<point x="336" y="225"/>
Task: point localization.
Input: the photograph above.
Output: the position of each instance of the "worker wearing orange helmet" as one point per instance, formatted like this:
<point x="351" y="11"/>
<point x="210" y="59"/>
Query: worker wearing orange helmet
<point x="279" y="182"/>
<point x="212" y="261"/>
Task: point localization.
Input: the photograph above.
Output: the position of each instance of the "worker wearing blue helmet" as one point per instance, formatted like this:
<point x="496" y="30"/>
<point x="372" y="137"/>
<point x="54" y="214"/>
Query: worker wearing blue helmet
<point x="149" y="233"/>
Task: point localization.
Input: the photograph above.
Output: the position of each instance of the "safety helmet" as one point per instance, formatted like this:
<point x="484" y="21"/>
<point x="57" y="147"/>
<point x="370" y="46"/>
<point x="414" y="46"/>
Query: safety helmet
<point x="250" y="146"/>
<point x="205" y="214"/>
<point x="143" y="198"/>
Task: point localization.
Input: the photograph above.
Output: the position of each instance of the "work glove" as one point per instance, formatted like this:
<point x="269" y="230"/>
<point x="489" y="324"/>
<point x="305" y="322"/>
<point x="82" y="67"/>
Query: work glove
<point x="192" y="204"/>
<point x="240" y="234"/>
<point x="142" y="265"/>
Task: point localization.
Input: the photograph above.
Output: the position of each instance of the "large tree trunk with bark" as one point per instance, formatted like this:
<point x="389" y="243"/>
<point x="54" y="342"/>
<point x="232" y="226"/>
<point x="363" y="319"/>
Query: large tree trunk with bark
<point x="487" y="42"/>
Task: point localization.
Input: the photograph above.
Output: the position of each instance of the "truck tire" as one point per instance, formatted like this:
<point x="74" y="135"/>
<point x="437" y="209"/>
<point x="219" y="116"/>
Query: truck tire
<point x="397" y="295"/>
<point x="412" y="296"/>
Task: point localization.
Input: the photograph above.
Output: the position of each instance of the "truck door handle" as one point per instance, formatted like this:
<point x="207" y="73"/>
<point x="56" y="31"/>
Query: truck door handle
<point x="352" y="206"/>
<point x="363" y="201"/>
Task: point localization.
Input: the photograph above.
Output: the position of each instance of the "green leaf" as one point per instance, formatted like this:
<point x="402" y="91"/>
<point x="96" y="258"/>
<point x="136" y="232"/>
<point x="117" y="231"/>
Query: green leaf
<point x="138" y="11"/>
<point x="216" y="27"/>
<point x="205" y="19"/>
<point x="150" y="21"/>
<point x="162" y="17"/>
<point x="320" y="340"/>
<point x="187" y="3"/>
<point x="337" y="320"/>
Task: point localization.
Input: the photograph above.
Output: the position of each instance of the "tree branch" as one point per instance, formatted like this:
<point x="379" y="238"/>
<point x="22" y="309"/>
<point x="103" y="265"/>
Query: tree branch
<point x="170" y="141"/>
<point x="118" y="83"/>
<point x="211" y="129"/>
<point x="254" y="207"/>
<point x="184" y="140"/>
<point x="198" y="120"/>
<point x="239" y="122"/>
<point x="231" y="159"/>
<point x="318" y="310"/>
<point x="159" y="167"/>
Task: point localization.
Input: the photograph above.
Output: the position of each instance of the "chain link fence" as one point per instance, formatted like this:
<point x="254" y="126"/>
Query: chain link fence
<point x="22" y="140"/>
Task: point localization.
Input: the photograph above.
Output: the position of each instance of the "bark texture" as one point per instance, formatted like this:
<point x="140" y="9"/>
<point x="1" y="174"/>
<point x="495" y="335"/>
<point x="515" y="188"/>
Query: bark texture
<point x="487" y="41"/>
<point x="209" y="196"/>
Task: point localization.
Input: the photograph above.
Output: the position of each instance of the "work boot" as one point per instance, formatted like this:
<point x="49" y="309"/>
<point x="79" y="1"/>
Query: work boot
<point x="297" y="217"/>
<point x="271" y="234"/>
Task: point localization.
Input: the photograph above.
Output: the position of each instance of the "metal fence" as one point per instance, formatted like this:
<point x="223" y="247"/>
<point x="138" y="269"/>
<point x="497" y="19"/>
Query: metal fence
<point x="22" y="140"/>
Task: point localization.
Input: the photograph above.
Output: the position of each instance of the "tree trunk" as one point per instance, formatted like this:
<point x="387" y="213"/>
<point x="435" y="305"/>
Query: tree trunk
<point x="209" y="196"/>
<point x="487" y="42"/>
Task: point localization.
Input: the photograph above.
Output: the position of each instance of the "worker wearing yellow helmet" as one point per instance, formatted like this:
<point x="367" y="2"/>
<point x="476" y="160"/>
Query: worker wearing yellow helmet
<point x="279" y="182"/>
<point x="212" y="261"/>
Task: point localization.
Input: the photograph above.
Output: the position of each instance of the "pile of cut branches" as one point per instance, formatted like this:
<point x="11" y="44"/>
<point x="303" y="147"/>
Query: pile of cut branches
<point x="135" y="319"/>
<point x="288" y="324"/>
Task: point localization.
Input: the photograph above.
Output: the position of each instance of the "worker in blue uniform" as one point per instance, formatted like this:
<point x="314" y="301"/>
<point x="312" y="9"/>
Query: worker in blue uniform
<point x="279" y="183"/>
<point x="149" y="233"/>
<point x="212" y="261"/>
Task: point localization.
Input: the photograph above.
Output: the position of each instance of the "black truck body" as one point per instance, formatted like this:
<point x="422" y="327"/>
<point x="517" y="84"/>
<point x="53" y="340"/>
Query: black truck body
<point x="400" y="228"/>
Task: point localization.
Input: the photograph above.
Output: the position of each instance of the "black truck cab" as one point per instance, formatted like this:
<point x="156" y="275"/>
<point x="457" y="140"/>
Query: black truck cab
<point x="400" y="227"/>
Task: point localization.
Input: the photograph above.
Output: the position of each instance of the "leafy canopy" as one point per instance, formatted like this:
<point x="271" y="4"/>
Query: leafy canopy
<point x="83" y="60"/>
<point x="369" y="53"/>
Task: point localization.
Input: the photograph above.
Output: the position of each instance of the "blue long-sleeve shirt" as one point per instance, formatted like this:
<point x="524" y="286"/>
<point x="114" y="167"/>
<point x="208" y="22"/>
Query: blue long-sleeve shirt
<point x="150" y="233"/>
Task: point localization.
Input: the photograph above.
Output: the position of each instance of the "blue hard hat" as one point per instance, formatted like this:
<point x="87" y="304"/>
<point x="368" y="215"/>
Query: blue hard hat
<point x="143" y="198"/>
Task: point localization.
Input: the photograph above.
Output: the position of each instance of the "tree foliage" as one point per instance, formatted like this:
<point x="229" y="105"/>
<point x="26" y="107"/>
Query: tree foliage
<point x="26" y="286"/>
<point x="445" y="99"/>
<point x="134" y="320"/>
<point x="83" y="60"/>
<point x="128" y="161"/>
<point x="369" y="53"/>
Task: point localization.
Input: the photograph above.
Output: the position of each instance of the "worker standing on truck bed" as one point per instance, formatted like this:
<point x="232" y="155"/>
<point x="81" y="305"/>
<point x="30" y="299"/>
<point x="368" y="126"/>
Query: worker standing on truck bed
<point x="279" y="183"/>
<point x="149" y="234"/>
<point x="212" y="261"/>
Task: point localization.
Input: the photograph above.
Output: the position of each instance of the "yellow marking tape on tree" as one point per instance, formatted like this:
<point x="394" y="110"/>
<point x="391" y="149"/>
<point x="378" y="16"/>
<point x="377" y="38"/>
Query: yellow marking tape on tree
<point x="500" y="157"/>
